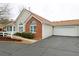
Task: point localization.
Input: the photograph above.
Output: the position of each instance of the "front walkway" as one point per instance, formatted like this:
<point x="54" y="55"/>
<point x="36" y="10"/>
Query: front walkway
<point x="53" y="46"/>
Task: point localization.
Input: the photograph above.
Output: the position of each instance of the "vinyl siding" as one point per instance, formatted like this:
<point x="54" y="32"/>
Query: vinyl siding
<point x="47" y="31"/>
<point x="21" y="19"/>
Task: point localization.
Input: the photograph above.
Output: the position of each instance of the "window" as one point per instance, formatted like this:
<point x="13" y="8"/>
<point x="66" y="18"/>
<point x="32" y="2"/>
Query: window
<point x="20" y="27"/>
<point x="14" y="28"/>
<point x="9" y="28"/>
<point x="33" y="27"/>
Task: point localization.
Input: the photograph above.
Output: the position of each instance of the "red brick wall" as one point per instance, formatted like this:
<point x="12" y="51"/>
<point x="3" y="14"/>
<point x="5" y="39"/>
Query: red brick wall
<point x="38" y="34"/>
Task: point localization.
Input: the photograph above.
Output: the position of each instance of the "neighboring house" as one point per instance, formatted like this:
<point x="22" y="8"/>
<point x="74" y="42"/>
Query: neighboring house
<point x="28" y="21"/>
<point x="10" y="28"/>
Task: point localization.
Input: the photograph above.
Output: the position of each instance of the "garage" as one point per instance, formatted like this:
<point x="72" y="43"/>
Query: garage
<point x="65" y="30"/>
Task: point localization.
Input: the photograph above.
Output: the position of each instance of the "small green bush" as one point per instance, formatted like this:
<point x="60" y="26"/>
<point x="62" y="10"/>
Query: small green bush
<point x="18" y="34"/>
<point x="25" y="35"/>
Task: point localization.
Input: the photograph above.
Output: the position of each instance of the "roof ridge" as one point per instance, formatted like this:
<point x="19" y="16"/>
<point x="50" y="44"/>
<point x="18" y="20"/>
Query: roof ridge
<point x="37" y="15"/>
<point x="67" y="20"/>
<point x="44" y="20"/>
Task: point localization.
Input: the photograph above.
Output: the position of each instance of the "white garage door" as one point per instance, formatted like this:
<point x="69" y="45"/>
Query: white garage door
<point x="65" y="30"/>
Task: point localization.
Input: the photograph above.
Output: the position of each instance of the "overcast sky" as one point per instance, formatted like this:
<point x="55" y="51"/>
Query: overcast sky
<point x="53" y="10"/>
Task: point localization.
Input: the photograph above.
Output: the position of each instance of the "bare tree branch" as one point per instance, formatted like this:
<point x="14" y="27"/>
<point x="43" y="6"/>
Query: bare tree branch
<point x="4" y="10"/>
<point x="4" y="13"/>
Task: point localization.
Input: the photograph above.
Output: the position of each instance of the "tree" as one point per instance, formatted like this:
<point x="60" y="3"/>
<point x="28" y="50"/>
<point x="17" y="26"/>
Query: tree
<point x="4" y="21"/>
<point x="4" y="10"/>
<point x="4" y="13"/>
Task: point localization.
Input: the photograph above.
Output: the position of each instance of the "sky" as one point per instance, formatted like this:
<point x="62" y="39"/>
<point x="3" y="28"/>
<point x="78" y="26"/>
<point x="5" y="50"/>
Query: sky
<point x="53" y="10"/>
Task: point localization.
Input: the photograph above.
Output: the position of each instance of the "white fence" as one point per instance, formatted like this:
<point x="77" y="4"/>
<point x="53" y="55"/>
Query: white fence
<point x="6" y="33"/>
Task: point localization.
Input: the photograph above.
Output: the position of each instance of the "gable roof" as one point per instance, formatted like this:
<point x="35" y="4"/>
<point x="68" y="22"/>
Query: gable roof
<point x="12" y="23"/>
<point x="41" y="19"/>
<point x="45" y="21"/>
<point x="66" y="22"/>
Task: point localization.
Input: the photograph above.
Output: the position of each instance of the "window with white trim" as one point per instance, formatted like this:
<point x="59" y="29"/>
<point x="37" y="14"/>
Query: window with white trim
<point x="14" y="28"/>
<point x="20" y="27"/>
<point x="9" y="28"/>
<point x="33" y="27"/>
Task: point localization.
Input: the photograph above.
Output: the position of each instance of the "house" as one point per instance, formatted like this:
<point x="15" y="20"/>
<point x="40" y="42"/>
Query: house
<point x="28" y="21"/>
<point x="10" y="27"/>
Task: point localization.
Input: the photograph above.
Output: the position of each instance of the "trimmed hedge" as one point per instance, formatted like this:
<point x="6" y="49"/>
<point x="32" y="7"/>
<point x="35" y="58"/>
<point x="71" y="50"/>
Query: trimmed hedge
<point x="25" y="35"/>
<point x="17" y="34"/>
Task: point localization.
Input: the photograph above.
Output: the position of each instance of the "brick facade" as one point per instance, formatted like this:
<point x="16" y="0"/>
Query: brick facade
<point x="38" y="34"/>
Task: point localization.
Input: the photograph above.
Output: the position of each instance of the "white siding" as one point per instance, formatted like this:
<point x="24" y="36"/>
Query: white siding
<point x="47" y="31"/>
<point x="21" y="19"/>
<point x="77" y="30"/>
<point x="65" y="30"/>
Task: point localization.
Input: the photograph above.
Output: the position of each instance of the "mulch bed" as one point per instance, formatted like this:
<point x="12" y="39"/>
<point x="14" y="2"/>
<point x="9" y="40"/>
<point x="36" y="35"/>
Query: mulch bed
<point x="5" y="38"/>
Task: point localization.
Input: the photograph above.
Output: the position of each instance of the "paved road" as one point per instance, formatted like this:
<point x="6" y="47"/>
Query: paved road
<point x="53" y="46"/>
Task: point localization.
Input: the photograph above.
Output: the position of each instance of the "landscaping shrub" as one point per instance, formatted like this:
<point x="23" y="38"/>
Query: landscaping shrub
<point x="17" y="34"/>
<point x="25" y="35"/>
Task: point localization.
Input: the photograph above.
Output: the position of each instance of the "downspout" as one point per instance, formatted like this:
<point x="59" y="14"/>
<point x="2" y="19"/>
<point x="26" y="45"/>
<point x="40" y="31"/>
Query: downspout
<point x="52" y="30"/>
<point x="77" y="31"/>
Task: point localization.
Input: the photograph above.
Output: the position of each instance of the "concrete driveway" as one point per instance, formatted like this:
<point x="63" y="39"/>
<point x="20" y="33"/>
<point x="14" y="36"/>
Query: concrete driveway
<point x="52" y="46"/>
